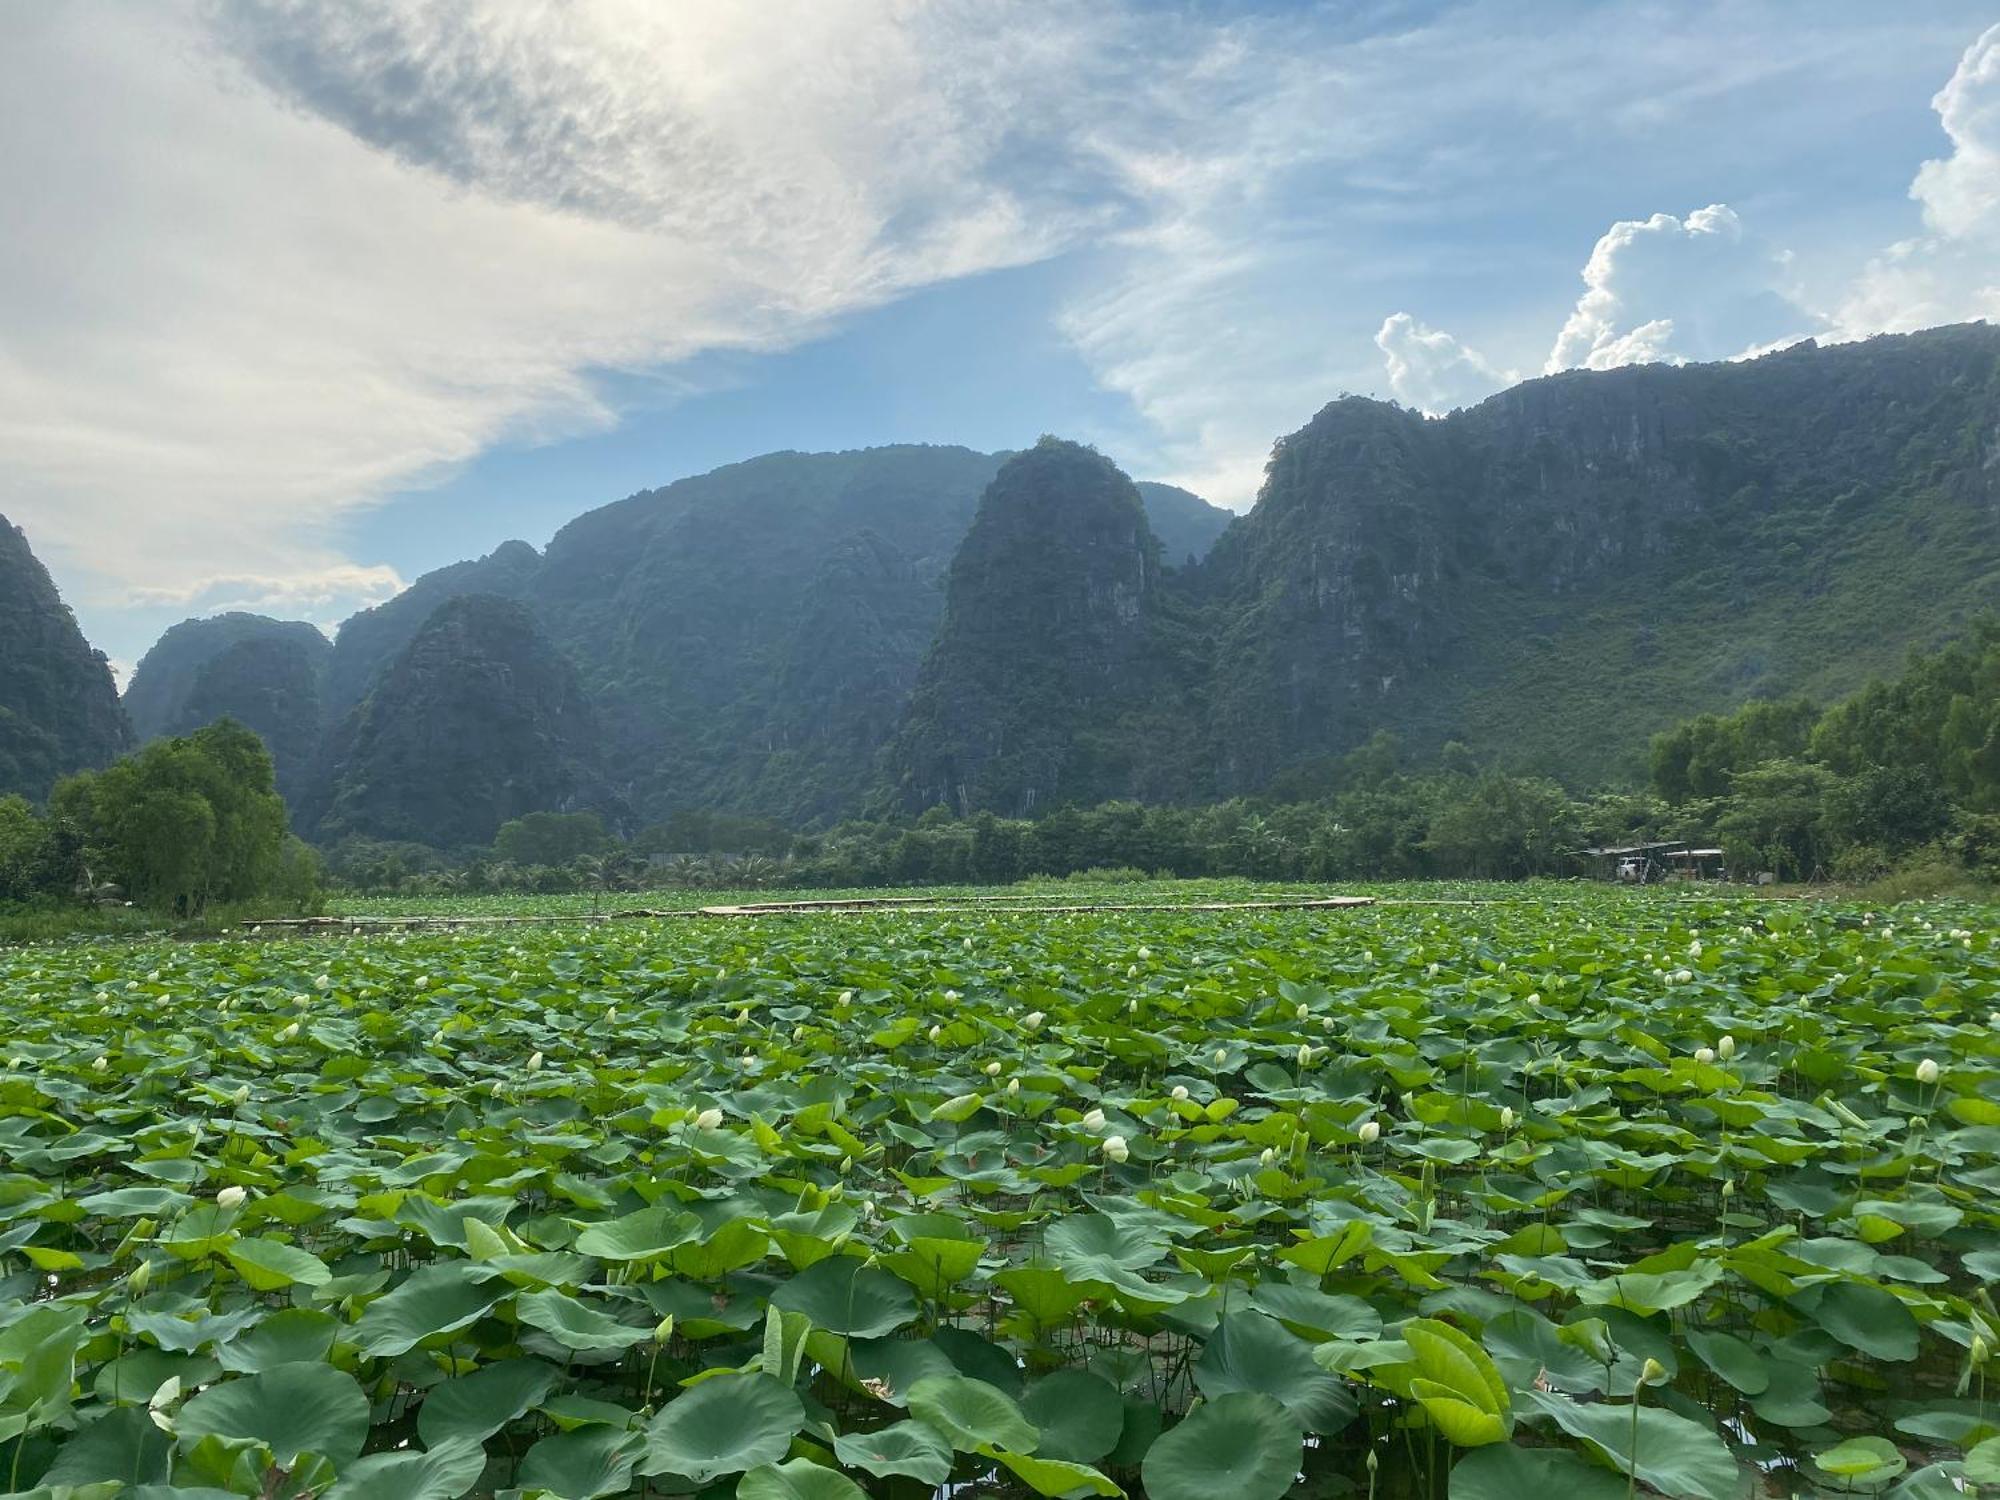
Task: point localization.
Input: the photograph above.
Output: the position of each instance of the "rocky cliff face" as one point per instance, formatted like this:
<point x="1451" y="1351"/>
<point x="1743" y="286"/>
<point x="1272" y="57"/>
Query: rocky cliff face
<point x="369" y="641"/>
<point x="1556" y="573"/>
<point x="479" y="720"/>
<point x="1056" y="657"/>
<point x="265" y="674"/>
<point x="58" y="702"/>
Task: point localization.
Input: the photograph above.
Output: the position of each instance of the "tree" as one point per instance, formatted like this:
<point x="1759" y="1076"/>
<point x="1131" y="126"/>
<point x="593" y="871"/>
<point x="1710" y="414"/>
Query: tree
<point x="549" y="838"/>
<point x="185" y="822"/>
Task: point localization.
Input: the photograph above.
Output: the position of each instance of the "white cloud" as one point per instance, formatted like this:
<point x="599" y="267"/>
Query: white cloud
<point x="1951" y="274"/>
<point x="1431" y="370"/>
<point x="266" y="262"/>
<point x="1669" y="289"/>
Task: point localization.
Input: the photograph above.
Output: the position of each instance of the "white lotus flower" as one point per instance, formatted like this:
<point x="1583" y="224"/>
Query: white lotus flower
<point x="993" y="1069"/>
<point x="1093" y="1120"/>
<point x="1506" y="1117"/>
<point x="423" y="981"/>
<point x="610" y="1013"/>
<point x="1369" y="1133"/>
<point x="1221" y="1055"/>
<point x="1180" y="1092"/>
<point x="1033" y="1020"/>
<point x="1928" y="1070"/>
<point x="1266" y="1156"/>
<point x="534" y="1062"/>
<point x="242" y="1095"/>
<point x="324" y="982"/>
<point x="708" y="1119"/>
<point x="1726" y="1048"/>
<point x="1301" y="1011"/>
<point x="1704" y="1055"/>
<point x="289" y="1032"/>
<point x="846" y="998"/>
<point x="100" y="1063"/>
<point x="1305" y="1055"/>
<point x="1132" y="971"/>
<point x="1115" y="1150"/>
<point x="1132" y="1007"/>
<point x="231" y="1197"/>
<point x="1013" y="1087"/>
<point x="1682" y="976"/>
<point x="936" y="1033"/>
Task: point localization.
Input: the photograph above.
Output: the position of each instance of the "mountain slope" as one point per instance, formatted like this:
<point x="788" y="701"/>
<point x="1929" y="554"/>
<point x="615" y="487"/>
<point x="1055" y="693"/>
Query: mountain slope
<point x="266" y="674"/>
<point x="1556" y="573"/>
<point x="58" y="702"/>
<point x="1186" y="524"/>
<point x="479" y="720"/>
<point x="1058" y="674"/>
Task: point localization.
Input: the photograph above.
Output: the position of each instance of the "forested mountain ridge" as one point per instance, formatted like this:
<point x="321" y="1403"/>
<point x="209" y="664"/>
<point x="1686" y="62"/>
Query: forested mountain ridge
<point x="1558" y="572"/>
<point x="266" y="674"/>
<point x="479" y="719"/>
<point x="1059" y="674"/>
<point x="58" y="701"/>
<point x="1548" y="577"/>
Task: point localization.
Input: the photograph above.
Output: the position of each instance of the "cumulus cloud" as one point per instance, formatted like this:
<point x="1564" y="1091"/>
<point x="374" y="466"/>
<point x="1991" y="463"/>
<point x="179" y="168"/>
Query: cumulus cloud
<point x="1952" y="273"/>
<point x="1431" y="370"/>
<point x="1677" y="289"/>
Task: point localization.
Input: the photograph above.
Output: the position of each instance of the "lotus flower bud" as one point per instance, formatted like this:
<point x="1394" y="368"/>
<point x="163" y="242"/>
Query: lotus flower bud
<point x="289" y="1032"/>
<point x="242" y="1095"/>
<point x="993" y="1070"/>
<point x="1132" y="1006"/>
<point x="1728" y="1188"/>
<point x="231" y="1197"/>
<point x="1180" y="1092"/>
<point x="140" y="1279"/>
<point x="610" y="1013"/>
<point x="1144" y="954"/>
<point x="534" y="1062"/>
<point x="846" y="1165"/>
<point x="1115" y="1149"/>
<point x="100" y="1063"/>
<point x="664" y="1329"/>
<point x="846" y="998"/>
<point x="1033" y="1020"/>
<point x="423" y="981"/>
<point x="1221" y="1056"/>
<point x="708" y="1119"/>
<point x="1927" y="1071"/>
<point x="1013" y="1087"/>
<point x="1305" y="1055"/>
<point x="324" y="982"/>
<point x="1979" y="1349"/>
<point x="1704" y="1055"/>
<point x="1093" y="1120"/>
<point x="1726" y="1048"/>
<point x="1301" y="1012"/>
<point x="1506" y="1117"/>
<point x="1267" y="1156"/>
<point x="1369" y="1133"/>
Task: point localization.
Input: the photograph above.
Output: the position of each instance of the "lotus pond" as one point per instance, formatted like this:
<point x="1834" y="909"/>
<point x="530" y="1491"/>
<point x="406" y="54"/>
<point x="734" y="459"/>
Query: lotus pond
<point x="1562" y="1194"/>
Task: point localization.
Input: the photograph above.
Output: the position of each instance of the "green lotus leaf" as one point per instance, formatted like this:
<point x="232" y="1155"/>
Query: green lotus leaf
<point x="1080" y="1416"/>
<point x="1245" y="1445"/>
<point x="910" y="1449"/>
<point x="844" y="1295"/>
<point x="722" y="1426"/>
<point x="290" y="1409"/>
<point x="798" y="1479"/>
<point x="443" y="1472"/>
<point x="1672" y="1454"/>
<point x="1249" y="1351"/>
<point x="972" y="1415"/>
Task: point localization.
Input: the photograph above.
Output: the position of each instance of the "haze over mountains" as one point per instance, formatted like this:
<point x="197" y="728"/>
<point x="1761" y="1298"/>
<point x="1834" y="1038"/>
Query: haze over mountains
<point x="1548" y="577"/>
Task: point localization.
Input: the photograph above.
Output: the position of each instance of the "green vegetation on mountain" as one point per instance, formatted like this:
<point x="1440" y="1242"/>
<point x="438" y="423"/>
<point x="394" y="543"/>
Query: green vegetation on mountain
<point x="480" y="720"/>
<point x="1186" y="524"/>
<point x="265" y="674"/>
<point x="58" y="702"/>
<point x="1561" y="571"/>
<point x="369" y="641"/>
<point x="1548" y="579"/>
<point x="1061" y="672"/>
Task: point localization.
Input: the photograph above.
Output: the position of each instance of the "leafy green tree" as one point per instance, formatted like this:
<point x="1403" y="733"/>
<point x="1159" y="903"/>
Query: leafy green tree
<point x="550" y="838"/>
<point x="184" y="822"/>
<point x="1775" y="819"/>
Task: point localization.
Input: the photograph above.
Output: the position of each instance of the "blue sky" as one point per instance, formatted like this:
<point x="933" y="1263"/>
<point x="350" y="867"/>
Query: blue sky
<point x="298" y="301"/>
